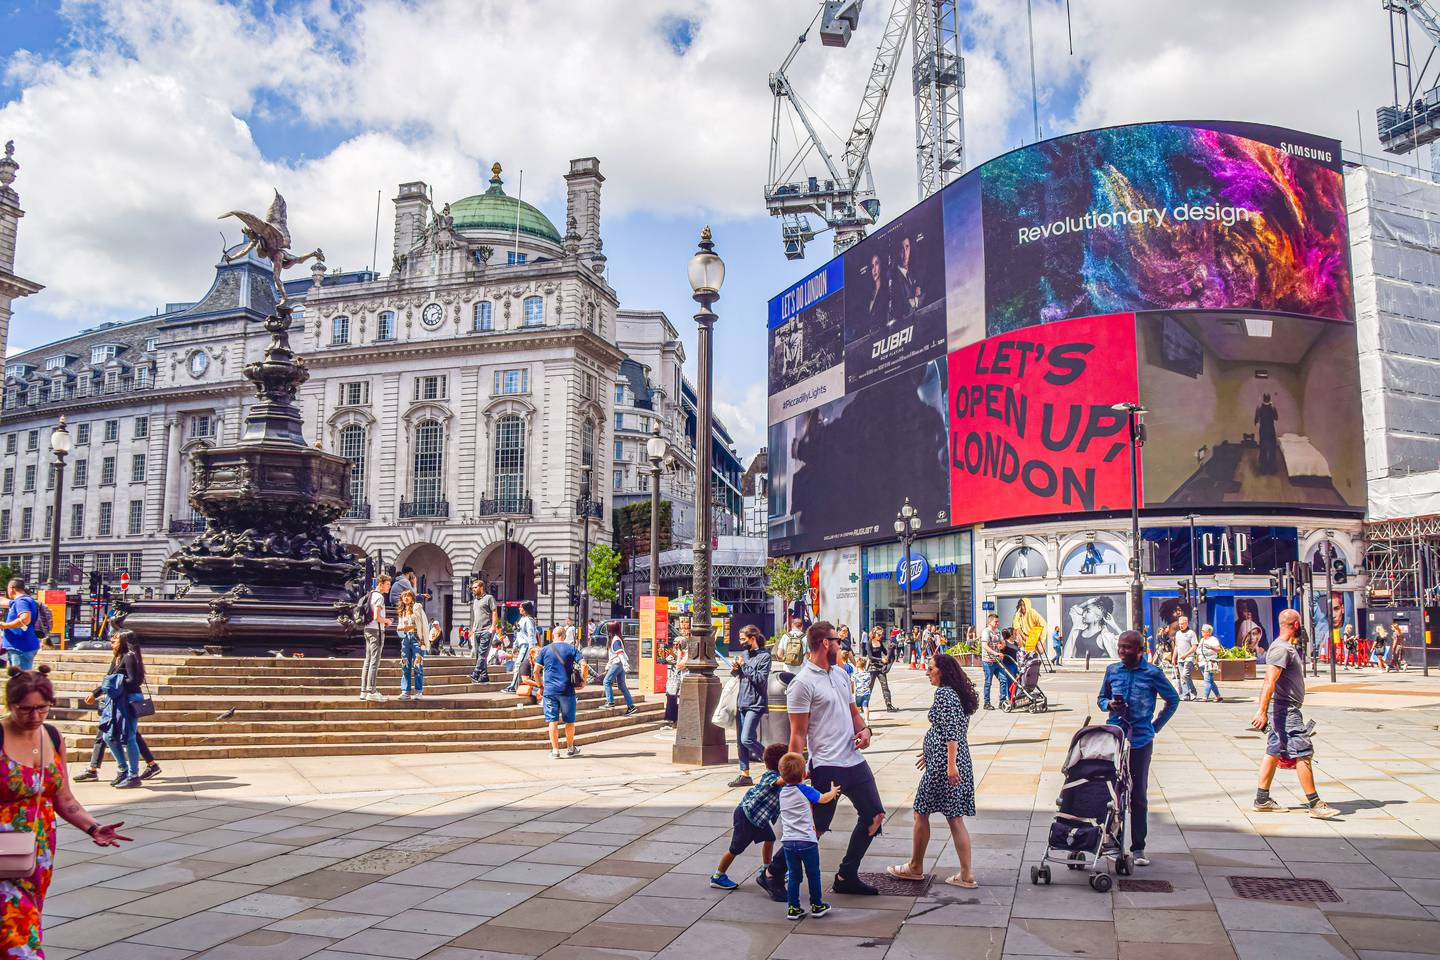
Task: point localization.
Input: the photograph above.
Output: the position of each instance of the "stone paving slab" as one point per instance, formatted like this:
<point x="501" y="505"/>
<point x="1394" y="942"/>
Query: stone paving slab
<point x="606" y="856"/>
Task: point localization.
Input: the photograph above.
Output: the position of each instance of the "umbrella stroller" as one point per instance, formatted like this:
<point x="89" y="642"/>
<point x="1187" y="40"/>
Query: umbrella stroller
<point x="1090" y="828"/>
<point x="1025" y="682"/>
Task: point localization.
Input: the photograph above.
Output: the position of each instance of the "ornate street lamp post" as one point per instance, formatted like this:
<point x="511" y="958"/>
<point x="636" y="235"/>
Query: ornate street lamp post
<point x="907" y="524"/>
<point x="60" y="446"/>
<point x="583" y="616"/>
<point x="697" y="740"/>
<point x="1137" y="440"/>
<point x="655" y="450"/>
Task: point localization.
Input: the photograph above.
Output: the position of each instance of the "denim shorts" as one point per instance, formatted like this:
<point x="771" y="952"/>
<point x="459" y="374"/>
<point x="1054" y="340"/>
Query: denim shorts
<point x="1287" y="738"/>
<point x="862" y="700"/>
<point x="559" y="708"/>
<point x="743" y="833"/>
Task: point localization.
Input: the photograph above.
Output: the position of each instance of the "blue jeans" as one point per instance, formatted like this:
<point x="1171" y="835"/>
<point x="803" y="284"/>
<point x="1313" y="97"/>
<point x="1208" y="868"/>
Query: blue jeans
<point x="21" y="659"/>
<point x="126" y="751"/>
<point x="747" y="736"/>
<point x="801" y="854"/>
<point x="992" y="672"/>
<point x="615" y="676"/>
<point x="412" y="664"/>
<point x="1210" y="686"/>
<point x="1186" y="669"/>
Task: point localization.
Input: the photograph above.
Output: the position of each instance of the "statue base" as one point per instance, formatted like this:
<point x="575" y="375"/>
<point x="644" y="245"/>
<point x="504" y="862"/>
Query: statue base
<point x="697" y="740"/>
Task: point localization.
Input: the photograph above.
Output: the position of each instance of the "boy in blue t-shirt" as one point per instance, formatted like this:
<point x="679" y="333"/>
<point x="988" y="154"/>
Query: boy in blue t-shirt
<point x="798" y="838"/>
<point x="757" y="810"/>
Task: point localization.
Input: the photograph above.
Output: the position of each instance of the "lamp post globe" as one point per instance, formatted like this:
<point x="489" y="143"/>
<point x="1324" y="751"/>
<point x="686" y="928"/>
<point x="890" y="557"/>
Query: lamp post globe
<point x="697" y="739"/>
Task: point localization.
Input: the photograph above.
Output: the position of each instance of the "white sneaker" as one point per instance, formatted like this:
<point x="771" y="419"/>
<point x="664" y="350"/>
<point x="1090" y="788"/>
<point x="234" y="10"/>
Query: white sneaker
<point x="378" y="697"/>
<point x="404" y="696"/>
<point x="573" y="752"/>
<point x="1142" y="861"/>
<point x="554" y="754"/>
<point x="416" y="695"/>
<point x="364" y="696"/>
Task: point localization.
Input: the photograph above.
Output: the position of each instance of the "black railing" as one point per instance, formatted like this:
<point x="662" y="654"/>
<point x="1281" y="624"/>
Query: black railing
<point x="594" y="508"/>
<point x="506" y="506"/>
<point x="357" y="511"/>
<point x="423" y="508"/>
<point x="181" y="525"/>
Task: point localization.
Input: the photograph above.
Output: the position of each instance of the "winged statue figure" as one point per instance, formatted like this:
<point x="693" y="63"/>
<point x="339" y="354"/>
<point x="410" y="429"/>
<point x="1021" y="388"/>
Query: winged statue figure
<point x="270" y="238"/>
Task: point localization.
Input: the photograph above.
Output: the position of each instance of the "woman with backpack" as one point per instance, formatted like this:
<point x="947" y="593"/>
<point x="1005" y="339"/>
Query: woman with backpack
<point x="121" y="688"/>
<point x="34" y="789"/>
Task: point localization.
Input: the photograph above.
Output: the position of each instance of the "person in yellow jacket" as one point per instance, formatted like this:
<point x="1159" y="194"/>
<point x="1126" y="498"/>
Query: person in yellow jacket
<point x="1029" y="626"/>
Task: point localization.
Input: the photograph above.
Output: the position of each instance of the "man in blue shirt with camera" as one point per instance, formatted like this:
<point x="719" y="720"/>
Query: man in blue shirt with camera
<point x="1129" y="692"/>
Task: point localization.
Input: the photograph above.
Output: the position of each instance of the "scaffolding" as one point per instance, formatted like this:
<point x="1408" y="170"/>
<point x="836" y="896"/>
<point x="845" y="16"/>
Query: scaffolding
<point x="1401" y="561"/>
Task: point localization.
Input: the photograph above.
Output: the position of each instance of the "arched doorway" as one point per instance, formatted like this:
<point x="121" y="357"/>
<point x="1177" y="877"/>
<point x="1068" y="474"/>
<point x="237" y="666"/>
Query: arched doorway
<point x="436" y="576"/>
<point x="510" y="572"/>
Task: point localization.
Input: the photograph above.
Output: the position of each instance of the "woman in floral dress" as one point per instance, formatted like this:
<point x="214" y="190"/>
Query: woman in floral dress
<point x="948" y="785"/>
<point x="33" y="779"/>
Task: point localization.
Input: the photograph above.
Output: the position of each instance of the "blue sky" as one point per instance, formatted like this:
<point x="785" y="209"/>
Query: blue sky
<point x="147" y="117"/>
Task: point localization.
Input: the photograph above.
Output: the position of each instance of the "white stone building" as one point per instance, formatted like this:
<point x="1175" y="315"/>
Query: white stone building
<point x="473" y="388"/>
<point x="12" y="287"/>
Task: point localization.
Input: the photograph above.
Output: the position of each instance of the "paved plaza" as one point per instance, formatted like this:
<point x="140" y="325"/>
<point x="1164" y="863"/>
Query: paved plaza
<point x="507" y="855"/>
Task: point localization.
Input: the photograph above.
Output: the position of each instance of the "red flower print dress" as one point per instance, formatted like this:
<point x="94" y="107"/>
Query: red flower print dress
<point x="21" y="900"/>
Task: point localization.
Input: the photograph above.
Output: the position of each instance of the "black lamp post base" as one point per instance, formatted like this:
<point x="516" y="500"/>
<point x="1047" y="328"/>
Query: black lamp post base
<point x="698" y="741"/>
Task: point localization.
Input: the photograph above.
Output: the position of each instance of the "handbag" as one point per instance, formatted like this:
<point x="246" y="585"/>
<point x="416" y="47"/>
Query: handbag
<point x="19" y="848"/>
<point x="143" y="706"/>
<point x="728" y="704"/>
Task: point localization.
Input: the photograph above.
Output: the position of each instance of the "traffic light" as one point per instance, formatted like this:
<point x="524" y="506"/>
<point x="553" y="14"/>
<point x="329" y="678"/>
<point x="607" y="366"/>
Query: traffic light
<point x="1338" y="573"/>
<point x="544" y="575"/>
<point x="1204" y="592"/>
<point x="574" y="598"/>
<point x="1277" y="576"/>
<point x="94" y="583"/>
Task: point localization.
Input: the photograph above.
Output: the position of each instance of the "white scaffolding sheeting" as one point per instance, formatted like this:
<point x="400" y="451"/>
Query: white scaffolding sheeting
<point x="1395" y="250"/>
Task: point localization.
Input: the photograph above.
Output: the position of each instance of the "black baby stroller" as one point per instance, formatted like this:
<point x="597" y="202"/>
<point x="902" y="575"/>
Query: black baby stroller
<point x="1090" y="829"/>
<point x="1024" y="684"/>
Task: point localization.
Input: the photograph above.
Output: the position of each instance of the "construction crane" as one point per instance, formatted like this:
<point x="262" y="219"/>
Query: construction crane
<point x="844" y="197"/>
<point x="1414" y="118"/>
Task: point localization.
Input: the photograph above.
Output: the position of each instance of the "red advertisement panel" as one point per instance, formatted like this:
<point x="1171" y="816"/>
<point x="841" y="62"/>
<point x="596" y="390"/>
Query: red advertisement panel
<point x="1032" y="427"/>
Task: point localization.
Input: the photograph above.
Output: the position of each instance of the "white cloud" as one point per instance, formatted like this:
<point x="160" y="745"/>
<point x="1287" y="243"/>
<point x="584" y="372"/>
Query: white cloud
<point x="745" y="418"/>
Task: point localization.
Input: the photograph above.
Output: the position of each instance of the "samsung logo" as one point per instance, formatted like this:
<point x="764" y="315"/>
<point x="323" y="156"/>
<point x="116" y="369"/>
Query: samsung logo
<point x="1309" y="153"/>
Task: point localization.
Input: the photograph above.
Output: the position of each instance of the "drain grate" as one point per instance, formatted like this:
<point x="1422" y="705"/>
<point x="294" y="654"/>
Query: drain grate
<point x="1283" y="889"/>
<point x="1136" y="885"/>
<point x="895" y="887"/>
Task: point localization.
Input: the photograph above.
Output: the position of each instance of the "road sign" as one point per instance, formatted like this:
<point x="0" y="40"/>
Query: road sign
<point x="125" y="581"/>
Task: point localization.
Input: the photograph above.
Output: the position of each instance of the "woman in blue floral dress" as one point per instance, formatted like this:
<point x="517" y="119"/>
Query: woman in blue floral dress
<point x="34" y="787"/>
<point x="947" y="786"/>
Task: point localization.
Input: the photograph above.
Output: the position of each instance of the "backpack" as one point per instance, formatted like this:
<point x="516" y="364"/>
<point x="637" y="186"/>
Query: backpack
<point x="44" y="618"/>
<point x="364" y="613"/>
<point x="794" y="650"/>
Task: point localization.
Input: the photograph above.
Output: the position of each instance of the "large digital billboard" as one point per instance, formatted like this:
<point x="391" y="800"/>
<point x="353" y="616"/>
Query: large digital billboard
<point x="1135" y="262"/>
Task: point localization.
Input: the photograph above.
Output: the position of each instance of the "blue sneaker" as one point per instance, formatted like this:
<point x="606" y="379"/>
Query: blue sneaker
<point x="721" y="882"/>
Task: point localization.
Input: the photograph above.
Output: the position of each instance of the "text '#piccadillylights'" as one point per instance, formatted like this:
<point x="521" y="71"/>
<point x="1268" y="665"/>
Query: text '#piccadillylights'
<point x="1136" y="217"/>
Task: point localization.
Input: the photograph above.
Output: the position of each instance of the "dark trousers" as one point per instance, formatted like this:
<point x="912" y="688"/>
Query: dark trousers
<point x="857" y="784"/>
<point x="1140" y="796"/>
<point x="747" y="736"/>
<point x="879" y="679"/>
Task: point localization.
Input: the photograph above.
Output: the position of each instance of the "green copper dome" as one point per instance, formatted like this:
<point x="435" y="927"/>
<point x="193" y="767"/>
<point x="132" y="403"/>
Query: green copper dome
<point x="494" y="210"/>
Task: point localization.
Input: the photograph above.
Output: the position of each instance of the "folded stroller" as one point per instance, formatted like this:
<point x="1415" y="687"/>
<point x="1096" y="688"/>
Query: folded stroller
<point x="1025" y="684"/>
<point x="1090" y="829"/>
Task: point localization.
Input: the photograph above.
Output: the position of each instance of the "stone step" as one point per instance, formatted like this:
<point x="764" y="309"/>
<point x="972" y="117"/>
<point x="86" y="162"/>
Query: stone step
<point x="373" y="748"/>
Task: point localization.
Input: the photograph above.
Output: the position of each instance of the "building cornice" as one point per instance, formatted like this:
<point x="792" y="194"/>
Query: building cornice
<point x="13" y="287"/>
<point x="530" y="339"/>
<point x="103" y="401"/>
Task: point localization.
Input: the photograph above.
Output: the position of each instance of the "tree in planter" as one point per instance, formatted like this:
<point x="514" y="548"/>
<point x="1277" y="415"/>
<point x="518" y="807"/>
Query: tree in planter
<point x="785" y="580"/>
<point x="602" y="579"/>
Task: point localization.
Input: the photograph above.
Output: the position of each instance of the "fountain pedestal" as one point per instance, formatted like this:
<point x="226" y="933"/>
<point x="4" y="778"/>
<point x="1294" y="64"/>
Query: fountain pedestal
<point x="267" y="572"/>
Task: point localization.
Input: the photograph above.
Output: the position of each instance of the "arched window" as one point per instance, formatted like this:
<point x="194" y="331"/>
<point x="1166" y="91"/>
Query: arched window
<point x="509" y="458"/>
<point x="385" y="326"/>
<point x="340" y="331"/>
<point x="1096" y="558"/>
<point x="590" y="316"/>
<point x="353" y="448"/>
<point x="534" y="311"/>
<point x="1024" y="561"/>
<point x="428" y="485"/>
<point x="484" y="316"/>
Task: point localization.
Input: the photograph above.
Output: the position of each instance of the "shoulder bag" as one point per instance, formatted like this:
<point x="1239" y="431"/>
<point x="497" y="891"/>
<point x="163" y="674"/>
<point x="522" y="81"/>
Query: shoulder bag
<point x="19" y="848"/>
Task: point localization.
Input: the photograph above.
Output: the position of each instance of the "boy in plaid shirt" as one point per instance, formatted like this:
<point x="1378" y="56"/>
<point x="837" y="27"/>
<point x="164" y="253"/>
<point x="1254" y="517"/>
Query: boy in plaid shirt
<point x="757" y="810"/>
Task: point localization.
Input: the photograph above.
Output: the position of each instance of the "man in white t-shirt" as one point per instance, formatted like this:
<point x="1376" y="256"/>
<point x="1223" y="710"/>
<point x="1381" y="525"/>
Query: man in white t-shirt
<point x="374" y="641"/>
<point x="825" y="721"/>
<point x="1187" y="648"/>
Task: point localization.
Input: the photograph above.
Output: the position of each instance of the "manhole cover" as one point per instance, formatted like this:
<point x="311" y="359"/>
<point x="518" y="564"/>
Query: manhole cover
<point x="1135" y="885"/>
<point x="1283" y="889"/>
<point x="895" y="887"/>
